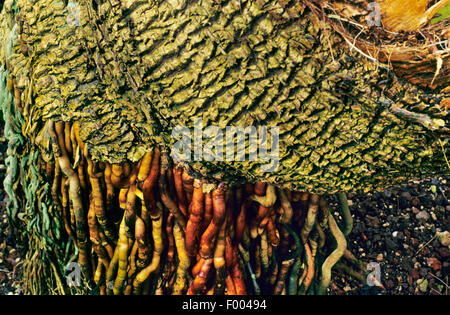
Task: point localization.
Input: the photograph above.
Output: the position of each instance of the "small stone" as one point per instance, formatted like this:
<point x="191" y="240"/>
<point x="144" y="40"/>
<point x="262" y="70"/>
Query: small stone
<point x="444" y="252"/>
<point x="414" y="242"/>
<point x="406" y="195"/>
<point x="423" y="272"/>
<point x="422" y="215"/>
<point x="423" y="285"/>
<point x="395" y="233"/>
<point x="347" y="288"/>
<point x="372" y="221"/>
<point x="390" y="244"/>
<point x="389" y="284"/>
<point x="434" y="263"/>
<point x="409" y="279"/>
<point x="415" y="202"/>
<point x="350" y="202"/>
<point x="415" y="210"/>
<point x="414" y="274"/>
<point x="380" y="257"/>
<point x="433" y="216"/>
<point x="440" y="209"/>
<point x="444" y="238"/>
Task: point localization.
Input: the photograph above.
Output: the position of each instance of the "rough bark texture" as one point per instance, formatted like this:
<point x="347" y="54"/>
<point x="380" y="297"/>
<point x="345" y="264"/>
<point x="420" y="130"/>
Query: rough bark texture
<point x="132" y="70"/>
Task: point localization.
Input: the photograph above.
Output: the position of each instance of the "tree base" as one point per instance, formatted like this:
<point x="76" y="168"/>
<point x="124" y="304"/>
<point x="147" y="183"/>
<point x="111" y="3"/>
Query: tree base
<point x="152" y="228"/>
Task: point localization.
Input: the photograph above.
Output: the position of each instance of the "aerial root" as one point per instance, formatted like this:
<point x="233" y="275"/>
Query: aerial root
<point x="152" y="228"/>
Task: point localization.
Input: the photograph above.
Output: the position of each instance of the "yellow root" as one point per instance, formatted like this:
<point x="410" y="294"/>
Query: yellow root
<point x="268" y="200"/>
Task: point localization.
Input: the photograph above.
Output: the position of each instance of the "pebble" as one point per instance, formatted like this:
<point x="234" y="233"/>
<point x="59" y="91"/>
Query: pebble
<point x="422" y="215"/>
<point x="395" y="233"/>
<point x="347" y="288"/>
<point x="444" y="238"/>
<point x="390" y="244"/>
<point x="423" y="272"/>
<point x="406" y="195"/>
<point x="440" y="209"/>
<point x="380" y="257"/>
<point x="415" y="210"/>
<point x="414" y="274"/>
<point x="423" y="285"/>
<point x="409" y="279"/>
<point x="444" y="252"/>
<point x="372" y="221"/>
<point x="389" y="284"/>
<point x="434" y="263"/>
<point x="415" y="202"/>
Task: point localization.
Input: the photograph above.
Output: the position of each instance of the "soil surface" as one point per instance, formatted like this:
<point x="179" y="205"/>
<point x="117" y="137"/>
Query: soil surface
<point x="394" y="231"/>
<point x="10" y="260"/>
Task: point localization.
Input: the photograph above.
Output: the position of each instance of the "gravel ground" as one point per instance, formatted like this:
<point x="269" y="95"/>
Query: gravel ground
<point x="394" y="230"/>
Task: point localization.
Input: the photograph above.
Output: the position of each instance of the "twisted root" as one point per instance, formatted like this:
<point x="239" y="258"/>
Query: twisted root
<point x="152" y="228"/>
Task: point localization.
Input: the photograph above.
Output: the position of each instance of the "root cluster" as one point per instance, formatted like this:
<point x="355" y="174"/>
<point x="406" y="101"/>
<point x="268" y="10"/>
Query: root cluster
<point x="152" y="228"/>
